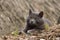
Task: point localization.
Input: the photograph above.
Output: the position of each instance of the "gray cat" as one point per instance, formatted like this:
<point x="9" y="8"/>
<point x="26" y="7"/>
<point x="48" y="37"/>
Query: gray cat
<point x="36" y="21"/>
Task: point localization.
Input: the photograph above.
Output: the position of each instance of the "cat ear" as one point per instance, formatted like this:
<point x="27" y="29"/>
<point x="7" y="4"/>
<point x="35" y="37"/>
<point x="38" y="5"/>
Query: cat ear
<point x="30" y="12"/>
<point x="41" y="14"/>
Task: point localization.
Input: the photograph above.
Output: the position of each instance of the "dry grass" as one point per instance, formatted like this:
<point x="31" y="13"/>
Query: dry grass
<point x="52" y="34"/>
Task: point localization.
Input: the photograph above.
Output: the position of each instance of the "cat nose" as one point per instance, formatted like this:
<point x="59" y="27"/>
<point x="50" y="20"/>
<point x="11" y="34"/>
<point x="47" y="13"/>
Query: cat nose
<point x="32" y="21"/>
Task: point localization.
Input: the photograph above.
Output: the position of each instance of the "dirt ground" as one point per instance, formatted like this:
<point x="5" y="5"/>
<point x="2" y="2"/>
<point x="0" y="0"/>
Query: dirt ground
<point x="52" y="34"/>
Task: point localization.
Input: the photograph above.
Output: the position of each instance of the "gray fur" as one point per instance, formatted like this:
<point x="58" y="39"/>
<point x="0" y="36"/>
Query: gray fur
<point x="37" y="22"/>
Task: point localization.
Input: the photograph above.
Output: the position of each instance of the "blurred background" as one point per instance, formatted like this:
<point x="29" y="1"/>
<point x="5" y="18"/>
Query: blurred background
<point x="13" y="13"/>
